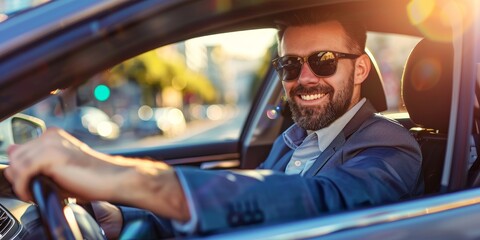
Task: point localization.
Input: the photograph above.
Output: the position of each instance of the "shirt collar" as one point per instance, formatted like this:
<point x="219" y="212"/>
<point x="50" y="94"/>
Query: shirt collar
<point x="295" y="135"/>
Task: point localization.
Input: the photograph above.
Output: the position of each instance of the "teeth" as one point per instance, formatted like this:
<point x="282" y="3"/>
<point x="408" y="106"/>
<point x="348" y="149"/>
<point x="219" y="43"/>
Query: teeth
<point x="312" y="96"/>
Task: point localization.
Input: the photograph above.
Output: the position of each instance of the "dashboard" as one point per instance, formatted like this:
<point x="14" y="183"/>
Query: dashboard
<point x="22" y="220"/>
<point x="18" y="219"/>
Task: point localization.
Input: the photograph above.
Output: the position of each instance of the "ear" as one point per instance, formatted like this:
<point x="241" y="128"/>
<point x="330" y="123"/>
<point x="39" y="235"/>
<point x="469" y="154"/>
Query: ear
<point x="362" y="68"/>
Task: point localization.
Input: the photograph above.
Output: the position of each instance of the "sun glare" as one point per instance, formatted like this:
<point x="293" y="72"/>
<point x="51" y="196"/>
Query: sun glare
<point x="438" y="20"/>
<point x="420" y="10"/>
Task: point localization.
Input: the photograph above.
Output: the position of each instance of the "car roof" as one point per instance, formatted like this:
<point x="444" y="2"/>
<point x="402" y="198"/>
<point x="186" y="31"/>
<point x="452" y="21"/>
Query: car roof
<point x="56" y="45"/>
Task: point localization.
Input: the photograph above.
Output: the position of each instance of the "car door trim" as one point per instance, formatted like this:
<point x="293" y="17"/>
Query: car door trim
<point x="210" y="158"/>
<point x="322" y="226"/>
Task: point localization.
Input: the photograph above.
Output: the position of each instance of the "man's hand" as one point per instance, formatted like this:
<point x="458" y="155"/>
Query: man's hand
<point x="70" y="163"/>
<point x="109" y="217"/>
<point x="85" y="173"/>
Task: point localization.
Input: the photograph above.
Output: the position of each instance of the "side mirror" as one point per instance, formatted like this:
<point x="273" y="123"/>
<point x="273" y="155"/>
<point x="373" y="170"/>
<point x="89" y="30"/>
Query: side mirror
<point x="18" y="129"/>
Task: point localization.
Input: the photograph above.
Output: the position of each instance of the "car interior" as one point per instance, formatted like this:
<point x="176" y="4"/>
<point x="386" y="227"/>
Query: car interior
<point x="426" y="84"/>
<point x="426" y="91"/>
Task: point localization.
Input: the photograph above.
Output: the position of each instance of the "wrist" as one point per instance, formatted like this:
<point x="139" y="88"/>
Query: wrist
<point x="155" y="186"/>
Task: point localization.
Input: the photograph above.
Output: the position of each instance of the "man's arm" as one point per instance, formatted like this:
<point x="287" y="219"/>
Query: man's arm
<point x="91" y="175"/>
<point x="227" y="199"/>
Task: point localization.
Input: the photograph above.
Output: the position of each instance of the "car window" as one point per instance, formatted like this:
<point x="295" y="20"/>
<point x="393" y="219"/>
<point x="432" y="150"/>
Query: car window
<point x="170" y="94"/>
<point x="391" y="52"/>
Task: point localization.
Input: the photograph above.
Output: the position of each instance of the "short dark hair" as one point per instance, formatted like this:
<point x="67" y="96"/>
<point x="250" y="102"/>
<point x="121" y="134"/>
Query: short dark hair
<point x="354" y="29"/>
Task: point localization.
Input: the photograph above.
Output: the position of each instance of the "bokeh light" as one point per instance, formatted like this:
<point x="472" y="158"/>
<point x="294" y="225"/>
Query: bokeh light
<point x="214" y="112"/>
<point x="101" y="92"/>
<point x="170" y="120"/>
<point x="145" y="112"/>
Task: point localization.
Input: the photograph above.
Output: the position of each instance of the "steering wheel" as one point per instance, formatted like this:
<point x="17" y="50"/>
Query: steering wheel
<point x="62" y="220"/>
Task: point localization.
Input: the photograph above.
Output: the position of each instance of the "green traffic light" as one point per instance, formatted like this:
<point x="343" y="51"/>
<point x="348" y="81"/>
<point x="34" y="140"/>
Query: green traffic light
<point x="101" y="92"/>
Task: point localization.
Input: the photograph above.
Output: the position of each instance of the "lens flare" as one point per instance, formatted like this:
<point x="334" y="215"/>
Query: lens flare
<point x="420" y="10"/>
<point x="437" y="20"/>
<point x="426" y="74"/>
<point x="272" y="114"/>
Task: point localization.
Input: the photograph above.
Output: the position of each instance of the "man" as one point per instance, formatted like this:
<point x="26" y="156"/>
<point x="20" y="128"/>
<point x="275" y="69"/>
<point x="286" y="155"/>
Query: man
<point x="339" y="155"/>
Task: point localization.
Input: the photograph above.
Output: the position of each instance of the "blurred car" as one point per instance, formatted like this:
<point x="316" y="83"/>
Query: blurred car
<point x="168" y="121"/>
<point x="64" y="44"/>
<point x="92" y="121"/>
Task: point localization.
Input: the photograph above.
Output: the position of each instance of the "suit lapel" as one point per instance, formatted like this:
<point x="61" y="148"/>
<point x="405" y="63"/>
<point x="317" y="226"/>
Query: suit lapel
<point x="325" y="155"/>
<point x="281" y="164"/>
<point x="352" y="126"/>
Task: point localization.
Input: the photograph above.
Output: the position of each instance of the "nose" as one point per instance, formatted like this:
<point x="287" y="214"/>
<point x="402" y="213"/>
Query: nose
<point x="307" y="77"/>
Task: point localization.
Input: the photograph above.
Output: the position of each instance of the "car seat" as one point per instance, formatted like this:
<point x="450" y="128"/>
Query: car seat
<point x="427" y="94"/>
<point x="372" y="87"/>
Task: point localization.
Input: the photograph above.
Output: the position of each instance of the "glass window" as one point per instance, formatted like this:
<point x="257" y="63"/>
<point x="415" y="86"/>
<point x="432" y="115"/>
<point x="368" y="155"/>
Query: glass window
<point x="170" y="94"/>
<point x="391" y="52"/>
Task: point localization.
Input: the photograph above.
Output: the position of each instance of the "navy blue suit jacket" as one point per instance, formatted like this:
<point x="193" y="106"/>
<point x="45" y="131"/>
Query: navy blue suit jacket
<point x="373" y="160"/>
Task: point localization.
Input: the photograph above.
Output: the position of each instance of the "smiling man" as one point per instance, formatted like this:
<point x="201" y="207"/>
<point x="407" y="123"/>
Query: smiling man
<point x="318" y="94"/>
<point x="338" y="155"/>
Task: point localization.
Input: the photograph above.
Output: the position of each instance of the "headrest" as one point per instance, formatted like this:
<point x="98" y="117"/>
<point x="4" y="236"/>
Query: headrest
<point x="427" y="84"/>
<point x="372" y="87"/>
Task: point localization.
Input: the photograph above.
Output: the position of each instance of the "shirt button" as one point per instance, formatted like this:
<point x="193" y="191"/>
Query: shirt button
<point x="298" y="163"/>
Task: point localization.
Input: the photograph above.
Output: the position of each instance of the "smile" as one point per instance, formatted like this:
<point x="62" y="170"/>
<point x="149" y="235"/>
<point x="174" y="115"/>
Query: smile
<point x="312" y="96"/>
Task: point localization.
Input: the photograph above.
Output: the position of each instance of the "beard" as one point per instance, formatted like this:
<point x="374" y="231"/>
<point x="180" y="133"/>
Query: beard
<point x="318" y="117"/>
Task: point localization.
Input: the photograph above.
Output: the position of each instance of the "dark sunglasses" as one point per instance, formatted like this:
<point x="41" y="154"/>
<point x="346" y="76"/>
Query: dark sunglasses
<point x="322" y="64"/>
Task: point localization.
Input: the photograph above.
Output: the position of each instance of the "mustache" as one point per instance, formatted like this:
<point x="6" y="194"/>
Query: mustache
<point x="302" y="90"/>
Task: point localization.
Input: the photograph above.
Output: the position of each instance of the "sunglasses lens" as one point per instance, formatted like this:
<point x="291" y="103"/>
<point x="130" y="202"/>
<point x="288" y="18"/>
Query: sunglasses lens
<point x="323" y="64"/>
<point x="288" y="68"/>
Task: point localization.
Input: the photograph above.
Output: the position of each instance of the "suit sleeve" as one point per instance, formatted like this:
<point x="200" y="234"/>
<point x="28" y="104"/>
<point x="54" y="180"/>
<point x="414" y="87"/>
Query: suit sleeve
<point x="374" y="175"/>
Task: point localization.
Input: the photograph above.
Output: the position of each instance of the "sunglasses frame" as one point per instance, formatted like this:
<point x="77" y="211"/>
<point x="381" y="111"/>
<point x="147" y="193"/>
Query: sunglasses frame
<point x="304" y="59"/>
